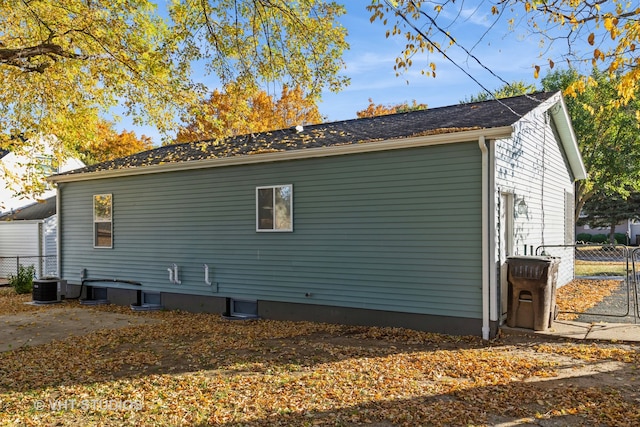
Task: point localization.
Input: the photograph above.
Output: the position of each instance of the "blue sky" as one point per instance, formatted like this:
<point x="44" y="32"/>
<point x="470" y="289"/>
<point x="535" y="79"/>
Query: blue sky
<point x="369" y="64"/>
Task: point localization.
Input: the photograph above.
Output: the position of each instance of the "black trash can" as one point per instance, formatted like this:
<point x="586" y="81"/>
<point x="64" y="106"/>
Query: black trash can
<point x="532" y="292"/>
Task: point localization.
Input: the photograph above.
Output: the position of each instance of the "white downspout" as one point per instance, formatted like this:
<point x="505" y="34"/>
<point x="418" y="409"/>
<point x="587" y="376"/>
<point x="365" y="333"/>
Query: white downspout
<point x="58" y="233"/>
<point x="493" y="214"/>
<point x="485" y="238"/>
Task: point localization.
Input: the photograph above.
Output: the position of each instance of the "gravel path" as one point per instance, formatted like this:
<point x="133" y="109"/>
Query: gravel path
<point x="615" y="305"/>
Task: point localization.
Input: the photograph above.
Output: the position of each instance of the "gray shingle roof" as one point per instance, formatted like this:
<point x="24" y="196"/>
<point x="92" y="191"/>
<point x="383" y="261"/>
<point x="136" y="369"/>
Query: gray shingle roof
<point x="37" y="210"/>
<point x="455" y="118"/>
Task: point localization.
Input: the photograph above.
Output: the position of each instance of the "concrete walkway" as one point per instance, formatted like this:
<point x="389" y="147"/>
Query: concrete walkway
<point x="601" y="331"/>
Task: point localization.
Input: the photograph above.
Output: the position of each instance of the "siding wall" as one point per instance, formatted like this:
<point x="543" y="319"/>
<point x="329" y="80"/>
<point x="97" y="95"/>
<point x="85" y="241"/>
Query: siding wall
<point x="19" y="238"/>
<point x="533" y="168"/>
<point x="397" y="230"/>
<point x="50" y="236"/>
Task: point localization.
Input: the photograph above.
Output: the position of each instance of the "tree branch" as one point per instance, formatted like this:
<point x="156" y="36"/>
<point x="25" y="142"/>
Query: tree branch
<point x="20" y="57"/>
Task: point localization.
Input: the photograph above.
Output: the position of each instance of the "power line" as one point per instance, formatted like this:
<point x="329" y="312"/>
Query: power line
<point x="444" y="54"/>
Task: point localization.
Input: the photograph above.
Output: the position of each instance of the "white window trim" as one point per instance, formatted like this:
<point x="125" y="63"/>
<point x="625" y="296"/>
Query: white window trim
<point x="274" y="230"/>
<point x="93" y="205"/>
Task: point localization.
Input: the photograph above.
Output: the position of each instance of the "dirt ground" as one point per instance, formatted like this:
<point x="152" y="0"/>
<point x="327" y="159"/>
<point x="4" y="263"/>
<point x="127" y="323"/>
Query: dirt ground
<point x="61" y="322"/>
<point x="554" y="382"/>
<point x="58" y="322"/>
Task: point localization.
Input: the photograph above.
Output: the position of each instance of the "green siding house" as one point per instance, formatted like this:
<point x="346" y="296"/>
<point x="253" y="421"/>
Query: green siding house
<point x="393" y="220"/>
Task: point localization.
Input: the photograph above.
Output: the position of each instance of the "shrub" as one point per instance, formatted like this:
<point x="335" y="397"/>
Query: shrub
<point x="23" y="281"/>
<point x="583" y="237"/>
<point x="599" y="238"/>
<point x="621" y="238"/>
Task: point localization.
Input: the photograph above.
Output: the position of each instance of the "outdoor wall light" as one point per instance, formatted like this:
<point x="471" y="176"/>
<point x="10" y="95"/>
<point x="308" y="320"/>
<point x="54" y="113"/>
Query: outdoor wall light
<point x="522" y="207"/>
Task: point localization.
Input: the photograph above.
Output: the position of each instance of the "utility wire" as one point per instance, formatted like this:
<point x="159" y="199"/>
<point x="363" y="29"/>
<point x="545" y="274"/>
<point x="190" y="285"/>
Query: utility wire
<point x="447" y="57"/>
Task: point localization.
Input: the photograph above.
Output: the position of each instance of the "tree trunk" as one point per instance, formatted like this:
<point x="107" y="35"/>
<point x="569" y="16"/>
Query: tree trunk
<point x="612" y="234"/>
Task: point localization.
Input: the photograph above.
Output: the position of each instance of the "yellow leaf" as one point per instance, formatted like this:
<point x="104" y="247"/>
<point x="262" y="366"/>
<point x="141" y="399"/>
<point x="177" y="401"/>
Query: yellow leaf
<point x="536" y="73"/>
<point x="609" y="23"/>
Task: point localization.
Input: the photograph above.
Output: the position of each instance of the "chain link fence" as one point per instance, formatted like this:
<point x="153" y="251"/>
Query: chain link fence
<point x="45" y="266"/>
<point x="598" y="269"/>
<point x="635" y="258"/>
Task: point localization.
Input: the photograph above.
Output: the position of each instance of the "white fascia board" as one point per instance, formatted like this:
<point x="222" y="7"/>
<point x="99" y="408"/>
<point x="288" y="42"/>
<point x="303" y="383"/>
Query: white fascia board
<point x="307" y="153"/>
<point x="560" y="115"/>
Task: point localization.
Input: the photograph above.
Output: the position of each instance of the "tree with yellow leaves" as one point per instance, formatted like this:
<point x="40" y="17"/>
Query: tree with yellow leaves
<point x="107" y="144"/>
<point x="64" y="64"/>
<point x="374" y="109"/>
<point x="233" y="111"/>
<point x="607" y="134"/>
<point x="609" y="30"/>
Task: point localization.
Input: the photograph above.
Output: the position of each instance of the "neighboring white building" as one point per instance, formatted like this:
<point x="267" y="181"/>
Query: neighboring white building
<point x="28" y="223"/>
<point x="28" y="236"/>
<point x="630" y="227"/>
<point x="31" y="161"/>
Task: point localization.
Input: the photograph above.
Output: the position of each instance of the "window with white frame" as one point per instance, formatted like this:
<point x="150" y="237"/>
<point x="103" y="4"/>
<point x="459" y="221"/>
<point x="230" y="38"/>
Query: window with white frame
<point x="274" y="208"/>
<point x="102" y="221"/>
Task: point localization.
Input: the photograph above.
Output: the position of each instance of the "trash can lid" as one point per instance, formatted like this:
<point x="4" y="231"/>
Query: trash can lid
<point x="543" y="258"/>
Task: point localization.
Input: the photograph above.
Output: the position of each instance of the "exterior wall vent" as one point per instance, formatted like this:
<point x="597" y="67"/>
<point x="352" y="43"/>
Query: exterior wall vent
<point x="241" y="309"/>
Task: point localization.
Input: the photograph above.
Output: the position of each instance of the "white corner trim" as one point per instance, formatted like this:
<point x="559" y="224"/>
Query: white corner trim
<point x="485" y="237"/>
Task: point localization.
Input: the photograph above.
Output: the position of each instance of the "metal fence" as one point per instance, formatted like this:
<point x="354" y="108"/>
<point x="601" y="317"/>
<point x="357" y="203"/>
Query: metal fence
<point x="45" y="265"/>
<point x="601" y="269"/>
<point x="635" y="258"/>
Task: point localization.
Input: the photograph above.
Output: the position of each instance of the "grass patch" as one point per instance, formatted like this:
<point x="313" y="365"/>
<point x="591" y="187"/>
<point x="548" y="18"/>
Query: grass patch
<point x="600" y="268"/>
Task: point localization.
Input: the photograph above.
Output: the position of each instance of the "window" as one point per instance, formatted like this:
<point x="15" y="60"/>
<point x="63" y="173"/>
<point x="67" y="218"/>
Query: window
<point x="102" y="221"/>
<point x="274" y="208"/>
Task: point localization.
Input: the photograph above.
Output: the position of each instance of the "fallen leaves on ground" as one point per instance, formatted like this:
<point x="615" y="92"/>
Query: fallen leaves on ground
<point x="11" y="302"/>
<point x="200" y="369"/>
<point x="580" y="295"/>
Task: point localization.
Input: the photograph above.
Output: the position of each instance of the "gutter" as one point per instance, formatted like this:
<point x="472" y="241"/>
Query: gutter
<point x="307" y="153"/>
<point x="485" y="237"/>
